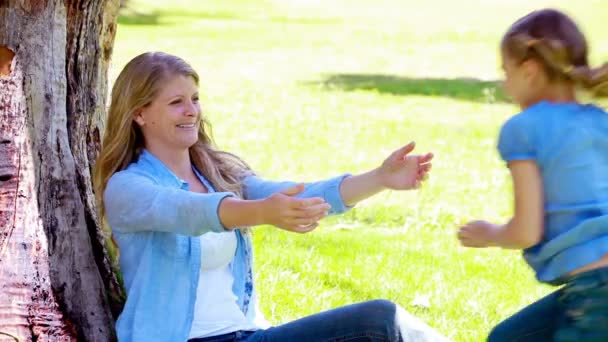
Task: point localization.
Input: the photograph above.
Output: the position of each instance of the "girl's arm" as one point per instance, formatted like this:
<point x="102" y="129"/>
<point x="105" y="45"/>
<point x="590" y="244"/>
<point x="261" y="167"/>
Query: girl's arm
<point x="525" y="229"/>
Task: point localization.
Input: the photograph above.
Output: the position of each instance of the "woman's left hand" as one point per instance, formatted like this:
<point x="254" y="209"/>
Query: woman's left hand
<point x="401" y="171"/>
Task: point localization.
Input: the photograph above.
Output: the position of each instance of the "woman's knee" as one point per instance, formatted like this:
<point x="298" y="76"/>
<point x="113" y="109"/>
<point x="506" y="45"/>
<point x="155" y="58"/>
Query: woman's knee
<point x="397" y="323"/>
<point x="380" y="308"/>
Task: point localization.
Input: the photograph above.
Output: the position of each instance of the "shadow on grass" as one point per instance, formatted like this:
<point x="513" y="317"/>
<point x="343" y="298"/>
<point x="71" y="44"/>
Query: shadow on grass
<point x="469" y="89"/>
<point x="130" y="16"/>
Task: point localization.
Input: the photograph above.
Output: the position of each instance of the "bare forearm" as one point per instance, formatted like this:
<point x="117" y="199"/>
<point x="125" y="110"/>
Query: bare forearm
<point x="280" y="209"/>
<point x="356" y="188"/>
<point x="514" y="236"/>
<point x="236" y="213"/>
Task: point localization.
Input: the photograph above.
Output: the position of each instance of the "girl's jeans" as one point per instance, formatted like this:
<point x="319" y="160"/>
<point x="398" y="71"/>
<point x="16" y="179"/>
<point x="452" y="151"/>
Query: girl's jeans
<point x="576" y="312"/>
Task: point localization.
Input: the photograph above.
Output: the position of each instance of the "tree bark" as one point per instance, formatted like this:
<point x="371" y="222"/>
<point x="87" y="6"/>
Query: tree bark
<point x="56" y="279"/>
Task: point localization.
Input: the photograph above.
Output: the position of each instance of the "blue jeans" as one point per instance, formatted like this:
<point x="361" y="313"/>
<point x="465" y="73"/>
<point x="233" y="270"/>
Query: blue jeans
<point x="576" y="312"/>
<point x="378" y="320"/>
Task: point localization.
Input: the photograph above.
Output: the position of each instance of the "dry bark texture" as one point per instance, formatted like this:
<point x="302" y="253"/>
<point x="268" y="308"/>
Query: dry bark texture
<point x="56" y="280"/>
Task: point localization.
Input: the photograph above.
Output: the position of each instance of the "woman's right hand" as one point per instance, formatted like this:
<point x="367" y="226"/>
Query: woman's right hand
<point x="293" y="214"/>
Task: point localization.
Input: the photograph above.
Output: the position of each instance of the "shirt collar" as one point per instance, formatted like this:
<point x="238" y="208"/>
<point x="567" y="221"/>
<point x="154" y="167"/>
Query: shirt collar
<point x="155" y="166"/>
<point x="152" y="164"/>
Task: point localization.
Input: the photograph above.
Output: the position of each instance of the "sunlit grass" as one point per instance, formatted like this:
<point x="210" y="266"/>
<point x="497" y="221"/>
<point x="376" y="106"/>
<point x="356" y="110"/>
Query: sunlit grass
<point x="308" y="89"/>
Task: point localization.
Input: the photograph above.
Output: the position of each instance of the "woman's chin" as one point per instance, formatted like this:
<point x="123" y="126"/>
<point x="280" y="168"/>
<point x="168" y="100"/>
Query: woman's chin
<point x="189" y="143"/>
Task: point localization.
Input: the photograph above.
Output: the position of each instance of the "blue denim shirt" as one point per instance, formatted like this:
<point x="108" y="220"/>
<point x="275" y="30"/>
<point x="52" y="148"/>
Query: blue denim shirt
<point x="156" y="223"/>
<point x="569" y="142"/>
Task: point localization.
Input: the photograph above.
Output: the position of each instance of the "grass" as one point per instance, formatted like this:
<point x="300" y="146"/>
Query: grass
<point x="305" y="90"/>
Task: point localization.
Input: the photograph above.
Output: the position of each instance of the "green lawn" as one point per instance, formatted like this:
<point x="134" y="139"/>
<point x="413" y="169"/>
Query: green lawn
<point x="307" y="89"/>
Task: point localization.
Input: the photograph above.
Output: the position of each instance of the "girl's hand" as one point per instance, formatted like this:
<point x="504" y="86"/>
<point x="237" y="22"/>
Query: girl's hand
<point x="298" y="215"/>
<point x="401" y="171"/>
<point x="478" y="234"/>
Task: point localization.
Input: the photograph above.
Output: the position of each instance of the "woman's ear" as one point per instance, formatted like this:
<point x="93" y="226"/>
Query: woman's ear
<point x="139" y="117"/>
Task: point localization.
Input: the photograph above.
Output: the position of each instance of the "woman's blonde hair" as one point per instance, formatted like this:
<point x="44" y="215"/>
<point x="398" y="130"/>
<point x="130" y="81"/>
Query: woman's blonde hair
<point x="136" y="86"/>
<point x="554" y="39"/>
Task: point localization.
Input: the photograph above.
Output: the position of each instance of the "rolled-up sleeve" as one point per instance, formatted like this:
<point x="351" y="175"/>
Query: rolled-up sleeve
<point x="135" y="203"/>
<point x="329" y="189"/>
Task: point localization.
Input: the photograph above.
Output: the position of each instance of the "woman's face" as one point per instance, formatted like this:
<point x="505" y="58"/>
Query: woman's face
<point x="171" y="121"/>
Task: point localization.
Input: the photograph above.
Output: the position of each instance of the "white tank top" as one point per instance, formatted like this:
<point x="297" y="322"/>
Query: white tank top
<point x="215" y="310"/>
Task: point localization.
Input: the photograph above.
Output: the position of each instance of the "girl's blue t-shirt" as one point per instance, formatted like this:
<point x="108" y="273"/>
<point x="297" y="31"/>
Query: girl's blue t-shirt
<point x="569" y="143"/>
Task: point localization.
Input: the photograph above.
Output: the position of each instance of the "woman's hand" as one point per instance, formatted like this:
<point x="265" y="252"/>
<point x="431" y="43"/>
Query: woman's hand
<point x="298" y="215"/>
<point x="401" y="171"/>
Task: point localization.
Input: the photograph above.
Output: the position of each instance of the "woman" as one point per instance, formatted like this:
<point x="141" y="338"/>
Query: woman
<point x="178" y="209"/>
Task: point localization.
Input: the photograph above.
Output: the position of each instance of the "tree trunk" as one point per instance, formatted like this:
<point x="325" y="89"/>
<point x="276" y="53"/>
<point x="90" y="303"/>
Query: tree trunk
<point x="56" y="279"/>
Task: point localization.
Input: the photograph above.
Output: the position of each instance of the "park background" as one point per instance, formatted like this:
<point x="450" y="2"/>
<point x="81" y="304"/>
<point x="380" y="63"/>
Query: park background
<point x="308" y="89"/>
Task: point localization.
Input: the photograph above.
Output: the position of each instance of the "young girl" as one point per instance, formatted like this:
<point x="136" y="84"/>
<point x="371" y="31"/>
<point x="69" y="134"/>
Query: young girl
<point x="557" y="152"/>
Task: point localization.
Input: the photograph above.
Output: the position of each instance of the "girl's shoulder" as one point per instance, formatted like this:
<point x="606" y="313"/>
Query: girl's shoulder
<point x="546" y="107"/>
<point x="544" y="113"/>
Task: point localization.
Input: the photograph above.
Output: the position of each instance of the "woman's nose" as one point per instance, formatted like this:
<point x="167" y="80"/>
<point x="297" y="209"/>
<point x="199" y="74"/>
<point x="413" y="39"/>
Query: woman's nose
<point x="191" y="109"/>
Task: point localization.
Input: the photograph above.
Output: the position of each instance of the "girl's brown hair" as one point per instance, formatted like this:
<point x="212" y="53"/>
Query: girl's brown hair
<point x="553" y="39"/>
